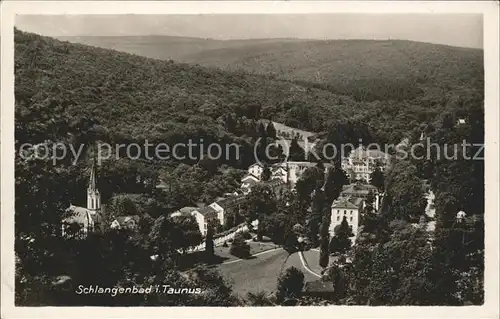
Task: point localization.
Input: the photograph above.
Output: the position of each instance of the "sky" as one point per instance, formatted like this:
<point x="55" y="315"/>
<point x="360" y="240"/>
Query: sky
<point x="464" y="30"/>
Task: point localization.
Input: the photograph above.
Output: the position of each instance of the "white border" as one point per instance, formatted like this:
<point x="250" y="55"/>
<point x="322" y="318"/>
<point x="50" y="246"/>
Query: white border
<point x="491" y="60"/>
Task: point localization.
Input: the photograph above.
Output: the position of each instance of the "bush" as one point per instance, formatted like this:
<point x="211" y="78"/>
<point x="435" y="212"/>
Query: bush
<point x="290" y="284"/>
<point x="245" y="235"/>
<point x="239" y="248"/>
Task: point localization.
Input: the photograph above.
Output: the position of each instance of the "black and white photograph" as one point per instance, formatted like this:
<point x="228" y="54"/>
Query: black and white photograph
<point x="249" y="159"/>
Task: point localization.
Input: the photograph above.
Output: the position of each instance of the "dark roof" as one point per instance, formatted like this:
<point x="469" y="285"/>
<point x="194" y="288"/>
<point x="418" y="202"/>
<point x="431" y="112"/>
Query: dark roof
<point x="229" y="201"/>
<point x="184" y="211"/>
<point x="319" y="286"/>
<point x="251" y="182"/>
<point x="258" y="164"/>
<point x="359" y="189"/>
<point x="125" y="219"/>
<point x="344" y="203"/>
<point x="79" y="215"/>
<point x="275" y="182"/>
<point x="207" y="211"/>
<point x="249" y="176"/>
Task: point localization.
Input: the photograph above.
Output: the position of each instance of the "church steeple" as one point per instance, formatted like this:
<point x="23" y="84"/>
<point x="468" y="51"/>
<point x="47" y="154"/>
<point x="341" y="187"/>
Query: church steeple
<point x="93" y="196"/>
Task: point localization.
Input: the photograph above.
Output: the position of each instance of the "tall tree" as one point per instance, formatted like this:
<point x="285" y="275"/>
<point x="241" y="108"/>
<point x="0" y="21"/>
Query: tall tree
<point x="315" y="218"/>
<point x="324" y="256"/>
<point x="340" y="241"/>
<point x="336" y="178"/>
<point x="270" y="131"/>
<point x="209" y="240"/>
<point x="266" y="173"/>
<point x="296" y="152"/>
<point x="259" y="203"/>
<point x="377" y="178"/>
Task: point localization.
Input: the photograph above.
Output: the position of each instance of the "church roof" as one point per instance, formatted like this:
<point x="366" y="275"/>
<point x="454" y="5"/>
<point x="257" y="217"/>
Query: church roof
<point x="92" y="182"/>
<point x="78" y="215"/>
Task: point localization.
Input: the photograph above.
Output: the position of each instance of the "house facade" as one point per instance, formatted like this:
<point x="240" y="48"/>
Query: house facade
<point x="256" y="170"/>
<point x="346" y="208"/>
<point x="362" y="162"/>
<point x="204" y="216"/>
<point x="125" y="222"/>
<point x="291" y="172"/>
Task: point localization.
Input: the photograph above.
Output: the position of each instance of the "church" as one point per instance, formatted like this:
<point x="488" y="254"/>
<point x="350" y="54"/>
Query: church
<point x="83" y="220"/>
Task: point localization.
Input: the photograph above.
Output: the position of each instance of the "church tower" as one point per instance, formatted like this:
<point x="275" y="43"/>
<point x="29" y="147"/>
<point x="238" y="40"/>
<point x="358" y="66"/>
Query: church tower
<point x="93" y="195"/>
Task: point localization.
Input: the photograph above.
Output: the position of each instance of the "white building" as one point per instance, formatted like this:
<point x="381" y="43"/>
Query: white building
<point x="216" y="212"/>
<point x="291" y="172"/>
<point x="359" y="190"/>
<point x="256" y="170"/>
<point x="350" y="210"/>
<point x="362" y="162"/>
<point x="204" y="216"/>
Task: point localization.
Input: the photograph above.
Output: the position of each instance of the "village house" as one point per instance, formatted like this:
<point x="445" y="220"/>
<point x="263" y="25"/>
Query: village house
<point x="346" y="208"/>
<point x="204" y="216"/>
<point x="247" y="182"/>
<point x="362" y="162"/>
<point x="256" y="170"/>
<point x="361" y="190"/>
<point x="184" y="211"/>
<point x="224" y="205"/>
<point x="291" y="172"/>
<point x="125" y="222"/>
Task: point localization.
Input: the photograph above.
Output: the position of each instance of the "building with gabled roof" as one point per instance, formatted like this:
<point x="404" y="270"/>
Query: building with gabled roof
<point x="125" y="222"/>
<point x="205" y="215"/>
<point x="349" y="209"/>
<point x="80" y="221"/>
<point x="358" y="190"/>
<point x="184" y="211"/>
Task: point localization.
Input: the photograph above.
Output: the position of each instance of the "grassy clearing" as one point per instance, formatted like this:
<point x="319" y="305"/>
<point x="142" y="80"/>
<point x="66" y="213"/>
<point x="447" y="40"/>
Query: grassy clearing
<point x="261" y="272"/>
<point x="256" y="274"/>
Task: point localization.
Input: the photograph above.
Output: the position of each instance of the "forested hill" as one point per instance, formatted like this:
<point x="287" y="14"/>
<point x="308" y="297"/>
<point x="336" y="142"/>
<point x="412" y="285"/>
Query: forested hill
<point x="145" y="98"/>
<point x="367" y="70"/>
<point x="142" y="97"/>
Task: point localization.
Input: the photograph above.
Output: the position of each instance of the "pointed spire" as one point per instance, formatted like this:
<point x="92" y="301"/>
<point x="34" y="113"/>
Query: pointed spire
<point x="92" y="182"/>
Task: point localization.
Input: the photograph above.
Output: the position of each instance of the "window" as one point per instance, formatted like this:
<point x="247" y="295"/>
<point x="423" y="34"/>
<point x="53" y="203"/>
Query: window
<point x="350" y="213"/>
<point x="351" y="219"/>
<point x="338" y="218"/>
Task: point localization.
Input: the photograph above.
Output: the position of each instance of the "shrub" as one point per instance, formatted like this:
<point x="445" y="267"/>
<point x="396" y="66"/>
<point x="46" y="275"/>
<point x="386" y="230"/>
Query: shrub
<point x="239" y="248"/>
<point x="245" y="235"/>
<point x="290" y="284"/>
